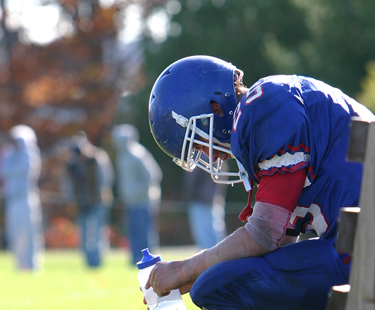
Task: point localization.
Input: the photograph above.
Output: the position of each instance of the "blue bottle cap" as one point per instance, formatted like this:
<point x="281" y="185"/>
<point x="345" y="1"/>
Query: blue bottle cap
<point x="148" y="259"/>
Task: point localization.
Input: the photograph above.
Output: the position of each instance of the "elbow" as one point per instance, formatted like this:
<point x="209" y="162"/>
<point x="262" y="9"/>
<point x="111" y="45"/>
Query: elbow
<point x="266" y="236"/>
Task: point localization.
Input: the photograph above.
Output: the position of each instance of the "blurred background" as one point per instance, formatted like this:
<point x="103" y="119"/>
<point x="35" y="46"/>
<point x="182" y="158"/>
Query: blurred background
<point x="71" y="65"/>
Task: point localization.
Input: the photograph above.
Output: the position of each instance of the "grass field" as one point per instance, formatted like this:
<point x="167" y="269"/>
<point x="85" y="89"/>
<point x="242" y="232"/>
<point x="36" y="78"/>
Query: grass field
<point x="66" y="284"/>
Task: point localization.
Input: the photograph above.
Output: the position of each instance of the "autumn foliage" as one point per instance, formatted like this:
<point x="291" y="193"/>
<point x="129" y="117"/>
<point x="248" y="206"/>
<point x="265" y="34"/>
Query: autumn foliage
<point x="62" y="87"/>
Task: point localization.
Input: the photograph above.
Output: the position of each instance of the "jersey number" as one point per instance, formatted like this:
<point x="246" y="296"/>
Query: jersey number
<point x="318" y="221"/>
<point x="252" y="95"/>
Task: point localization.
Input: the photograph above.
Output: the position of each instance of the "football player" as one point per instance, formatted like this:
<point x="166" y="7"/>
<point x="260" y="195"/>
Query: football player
<point x="288" y="135"/>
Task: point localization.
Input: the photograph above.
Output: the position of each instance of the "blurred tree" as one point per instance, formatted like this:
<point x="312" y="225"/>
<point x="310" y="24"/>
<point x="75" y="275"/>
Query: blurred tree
<point x="341" y="42"/>
<point x="367" y="95"/>
<point x="64" y="86"/>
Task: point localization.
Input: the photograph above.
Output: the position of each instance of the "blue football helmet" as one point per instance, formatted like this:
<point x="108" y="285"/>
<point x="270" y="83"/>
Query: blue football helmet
<point x="181" y="117"/>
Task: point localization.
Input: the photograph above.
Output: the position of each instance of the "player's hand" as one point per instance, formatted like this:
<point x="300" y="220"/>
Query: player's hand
<point x="167" y="276"/>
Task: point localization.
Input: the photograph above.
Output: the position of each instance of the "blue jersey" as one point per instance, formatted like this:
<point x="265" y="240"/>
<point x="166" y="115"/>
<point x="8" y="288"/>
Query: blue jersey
<point x="286" y="123"/>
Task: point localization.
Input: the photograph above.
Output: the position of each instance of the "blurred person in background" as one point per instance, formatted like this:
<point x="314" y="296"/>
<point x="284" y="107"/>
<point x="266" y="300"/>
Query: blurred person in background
<point x="90" y="177"/>
<point x="206" y="208"/>
<point x="139" y="177"/>
<point x="20" y="168"/>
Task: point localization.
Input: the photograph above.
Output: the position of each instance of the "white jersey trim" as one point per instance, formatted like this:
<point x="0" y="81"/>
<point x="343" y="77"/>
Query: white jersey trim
<point x="284" y="160"/>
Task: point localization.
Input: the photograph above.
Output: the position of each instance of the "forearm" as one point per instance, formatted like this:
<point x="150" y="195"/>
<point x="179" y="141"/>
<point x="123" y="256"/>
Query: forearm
<point x="237" y="245"/>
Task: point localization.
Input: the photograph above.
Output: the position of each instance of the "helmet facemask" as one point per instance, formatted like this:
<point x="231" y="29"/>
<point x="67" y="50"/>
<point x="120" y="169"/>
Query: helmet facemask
<point x="191" y="158"/>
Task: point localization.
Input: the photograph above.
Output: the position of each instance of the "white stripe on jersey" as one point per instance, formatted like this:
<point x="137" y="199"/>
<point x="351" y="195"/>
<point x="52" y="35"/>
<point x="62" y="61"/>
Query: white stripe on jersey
<point x="284" y="160"/>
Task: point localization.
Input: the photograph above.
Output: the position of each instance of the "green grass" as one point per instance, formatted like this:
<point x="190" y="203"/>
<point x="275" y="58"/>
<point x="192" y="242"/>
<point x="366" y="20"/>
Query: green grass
<point x="65" y="283"/>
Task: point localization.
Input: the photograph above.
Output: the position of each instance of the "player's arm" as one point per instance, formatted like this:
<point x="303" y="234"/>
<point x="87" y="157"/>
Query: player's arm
<point x="252" y="240"/>
<point x="169" y="275"/>
<point x="276" y="198"/>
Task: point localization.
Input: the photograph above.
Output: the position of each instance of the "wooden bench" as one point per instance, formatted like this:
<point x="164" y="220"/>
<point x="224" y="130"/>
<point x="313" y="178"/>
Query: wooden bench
<point x="356" y="230"/>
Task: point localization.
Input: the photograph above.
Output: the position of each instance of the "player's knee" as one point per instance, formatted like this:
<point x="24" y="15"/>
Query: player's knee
<point x="200" y="290"/>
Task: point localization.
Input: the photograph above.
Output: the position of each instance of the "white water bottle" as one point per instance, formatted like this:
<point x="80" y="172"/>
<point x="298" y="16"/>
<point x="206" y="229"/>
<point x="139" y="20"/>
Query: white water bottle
<point x="173" y="301"/>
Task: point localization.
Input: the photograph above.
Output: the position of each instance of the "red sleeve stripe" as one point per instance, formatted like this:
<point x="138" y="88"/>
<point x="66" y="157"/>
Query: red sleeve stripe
<point x="282" y="190"/>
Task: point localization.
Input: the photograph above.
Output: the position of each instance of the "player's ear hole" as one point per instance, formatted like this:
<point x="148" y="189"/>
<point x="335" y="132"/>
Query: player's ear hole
<point x="216" y="108"/>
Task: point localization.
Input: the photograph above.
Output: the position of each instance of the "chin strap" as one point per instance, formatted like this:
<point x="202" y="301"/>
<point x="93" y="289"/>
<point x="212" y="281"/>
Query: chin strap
<point x="245" y="214"/>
